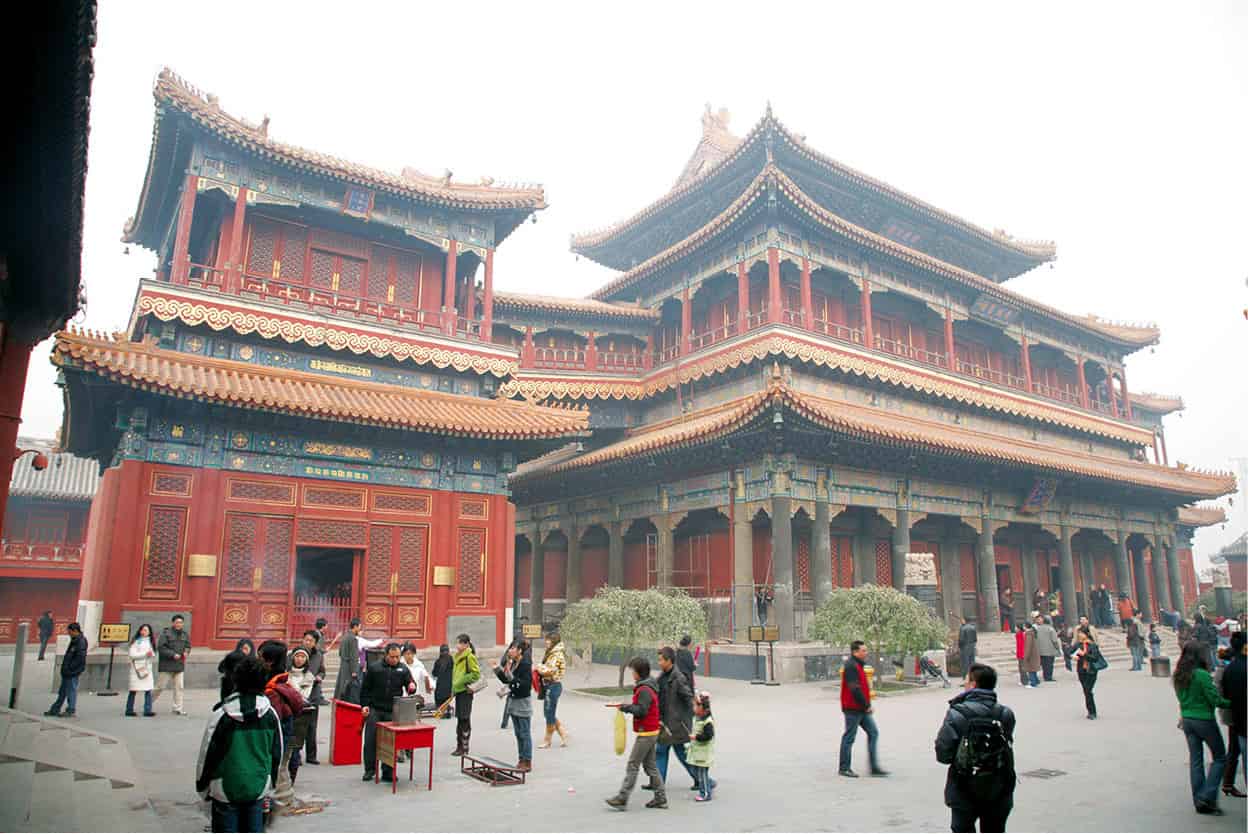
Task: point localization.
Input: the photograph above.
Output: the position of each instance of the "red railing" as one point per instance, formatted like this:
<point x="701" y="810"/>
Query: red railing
<point x="793" y="317"/>
<point x="710" y="337"/>
<point x="757" y="319"/>
<point x="467" y="327"/>
<point x="617" y="361"/>
<point x="560" y="358"/>
<point x="41" y="551"/>
<point x="897" y="348"/>
<point x="1060" y="394"/>
<point x="365" y="308"/>
<point x="838" y="331"/>
<point x="667" y="354"/>
<point x="991" y="375"/>
<point x="307" y="609"/>
<point x="206" y="277"/>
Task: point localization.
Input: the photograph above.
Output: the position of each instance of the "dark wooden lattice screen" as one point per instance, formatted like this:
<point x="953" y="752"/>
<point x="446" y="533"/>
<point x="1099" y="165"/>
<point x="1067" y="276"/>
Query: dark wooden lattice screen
<point x="470" y="576"/>
<point x="162" y="552"/>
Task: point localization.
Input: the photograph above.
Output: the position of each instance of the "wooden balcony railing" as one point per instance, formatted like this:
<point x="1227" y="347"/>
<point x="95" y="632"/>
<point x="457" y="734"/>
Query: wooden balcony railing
<point x="565" y="359"/>
<point x="897" y="348"/>
<point x="838" y="331"/>
<point x="22" y="551"/>
<point x="710" y="337"/>
<point x="991" y="375"/>
<point x="618" y="361"/>
<point x="1065" y="395"/>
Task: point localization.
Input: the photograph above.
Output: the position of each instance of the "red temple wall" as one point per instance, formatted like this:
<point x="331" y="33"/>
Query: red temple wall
<point x="635" y="565"/>
<point x="252" y="525"/>
<point x="1237" y="567"/>
<point x="555" y="579"/>
<point x="593" y="570"/>
<point x="24" y="599"/>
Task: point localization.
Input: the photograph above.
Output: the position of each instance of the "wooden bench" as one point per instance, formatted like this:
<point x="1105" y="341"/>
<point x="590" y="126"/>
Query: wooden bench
<point x="491" y="771"/>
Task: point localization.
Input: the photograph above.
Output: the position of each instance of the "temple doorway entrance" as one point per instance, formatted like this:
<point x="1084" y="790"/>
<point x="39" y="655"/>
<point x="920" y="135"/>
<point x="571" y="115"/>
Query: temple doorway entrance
<point x="324" y="587"/>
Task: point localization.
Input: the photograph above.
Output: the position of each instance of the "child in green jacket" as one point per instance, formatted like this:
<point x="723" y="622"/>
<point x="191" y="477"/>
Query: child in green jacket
<point x="701" y="753"/>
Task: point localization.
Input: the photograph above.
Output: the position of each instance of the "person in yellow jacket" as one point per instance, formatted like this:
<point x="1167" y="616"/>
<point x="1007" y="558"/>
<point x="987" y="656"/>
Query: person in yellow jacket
<point x="464" y="674"/>
<point x="552" y="669"/>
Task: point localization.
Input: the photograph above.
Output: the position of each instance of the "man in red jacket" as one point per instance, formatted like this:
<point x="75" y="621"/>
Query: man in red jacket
<point x="856" y="704"/>
<point x="645" y="712"/>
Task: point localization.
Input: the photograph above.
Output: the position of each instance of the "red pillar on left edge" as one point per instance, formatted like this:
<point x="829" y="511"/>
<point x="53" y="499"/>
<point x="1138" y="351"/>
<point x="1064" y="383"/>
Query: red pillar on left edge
<point x="182" y="240"/>
<point x="448" y="290"/>
<point x="1026" y="352"/>
<point x="686" y="324"/>
<point x="950" y="348"/>
<point x="14" y="360"/>
<point x="487" y="299"/>
<point x="808" y="306"/>
<point x="775" y="299"/>
<point x="868" y="329"/>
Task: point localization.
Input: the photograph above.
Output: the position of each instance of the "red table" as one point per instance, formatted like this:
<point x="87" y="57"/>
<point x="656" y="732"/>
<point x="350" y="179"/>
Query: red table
<point x="391" y="738"/>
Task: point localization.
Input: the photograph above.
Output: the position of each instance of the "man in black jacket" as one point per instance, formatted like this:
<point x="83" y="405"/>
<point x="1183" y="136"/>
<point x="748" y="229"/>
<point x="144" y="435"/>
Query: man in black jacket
<point x="72" y="667"/>
<point x="1235" y="688"/>
<point x="46" y="626"/>
<point x="675" y="713"/>
<point x="968" y="638"/>
<point x="384" y="681"/>
<point x="977" y="701"/>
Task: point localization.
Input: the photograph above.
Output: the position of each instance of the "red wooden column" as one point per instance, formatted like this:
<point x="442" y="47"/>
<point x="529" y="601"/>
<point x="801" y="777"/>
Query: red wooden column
<point x="1083" y="383"/>
<point x="774" y="298"/>
<point x="808" y="318"/>
<point x="686" y="324"/>
<point x="1026" y="351"/>
<point x="470" y="298"/>
<point x="949" y="346"/>
<point x="182" y="240"/>
<point x="647" y="361"/>
<point x="1165" y="456"/>
<point x="743" y="298"/>
<point x="1126" y="395"/>
<point x="868" y="329"/>
<point x="234" y="264"/>
<point x="526" y="353"/>
<point x="1113" y="395"/>
<point x="591" y="352"/>
<point x="14" y="360"/>
<point x="448" y="290"/>
<point x="487" y="300"/>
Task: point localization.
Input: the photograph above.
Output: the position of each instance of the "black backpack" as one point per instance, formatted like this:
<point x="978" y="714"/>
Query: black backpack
<point x="984" y="762"/>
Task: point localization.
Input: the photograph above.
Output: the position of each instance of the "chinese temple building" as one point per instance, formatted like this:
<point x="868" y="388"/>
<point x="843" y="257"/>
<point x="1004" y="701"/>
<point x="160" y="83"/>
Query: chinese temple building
<point x="45" y="527"/>
<point x="299" y="419"/>
<point x="801" y="376"/>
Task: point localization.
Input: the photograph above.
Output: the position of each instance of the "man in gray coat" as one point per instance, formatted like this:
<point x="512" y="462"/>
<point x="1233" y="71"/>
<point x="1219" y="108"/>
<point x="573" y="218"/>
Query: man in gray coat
<point x="347" y="686"/>
<point x="1050" y="646"/>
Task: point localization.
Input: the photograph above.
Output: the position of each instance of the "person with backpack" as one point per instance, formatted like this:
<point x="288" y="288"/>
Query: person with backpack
<point x="241" y="752"/>
<point x="976" y="741"/>
<point x="1088" y="663"/>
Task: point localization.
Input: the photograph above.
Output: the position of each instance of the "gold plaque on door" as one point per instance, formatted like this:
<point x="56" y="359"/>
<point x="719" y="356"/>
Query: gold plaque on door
<point x="444" y="575"/>
<point x="201" y="564"/>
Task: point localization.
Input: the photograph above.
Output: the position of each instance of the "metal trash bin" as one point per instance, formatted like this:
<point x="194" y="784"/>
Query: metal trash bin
<point x="1160" y="666"/>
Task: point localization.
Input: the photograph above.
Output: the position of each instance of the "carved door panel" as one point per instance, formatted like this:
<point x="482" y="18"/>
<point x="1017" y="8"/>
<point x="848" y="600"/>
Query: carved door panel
<point x="276" y="250"/>
<point x="162" y="552"/>
<point x="470" y="566"/>
<point x="395" y="576"/>
<point x="255" y="580"/>
<point x="337" y="273"/>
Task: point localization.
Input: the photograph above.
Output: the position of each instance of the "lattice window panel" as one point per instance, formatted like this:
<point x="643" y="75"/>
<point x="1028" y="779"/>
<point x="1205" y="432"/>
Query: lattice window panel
<point x="470" y="576"/>
<point x="277" y="554"/>
<point x="331" y="531"/>
<point x="412" y="553"/>
<point x="377" y="569"/>
<point x="344" y="499"/>
<point x="163" y="547"/>
<point x="395" y="502"/>
<point x="883" y="562"/>
<point x="261" y="492"/>
<point x="473" y="508"/>
<point x="351" y="276"/>
<point x="801" y="566"/>
<point x="263" y="250"/>
<point x="339" y="241"/>
<point x="845" y="562"/>
<point x="379" y="274"/>
<point x="169" y="483"/>
<point x="322" y="274"/>
<point x="240" y="540"/>
<point x="407" y="270"/>
<point x="966" y="555"/>
<point x="294" y="245"/>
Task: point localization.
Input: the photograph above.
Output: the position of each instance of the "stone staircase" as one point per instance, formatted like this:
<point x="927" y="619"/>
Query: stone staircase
<point x="997" y="649"/>
<point x="55" y="776"/>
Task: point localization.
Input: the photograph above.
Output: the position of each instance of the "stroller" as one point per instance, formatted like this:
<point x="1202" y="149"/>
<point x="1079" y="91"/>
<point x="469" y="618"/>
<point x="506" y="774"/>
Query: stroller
<point x="931" y="670"/>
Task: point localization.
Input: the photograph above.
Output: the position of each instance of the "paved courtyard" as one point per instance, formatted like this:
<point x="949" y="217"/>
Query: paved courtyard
<point x="775" y="765"/>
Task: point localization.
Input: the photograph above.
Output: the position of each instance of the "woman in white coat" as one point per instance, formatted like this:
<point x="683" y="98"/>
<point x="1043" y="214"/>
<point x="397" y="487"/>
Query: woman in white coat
<point x="141" y="654"/>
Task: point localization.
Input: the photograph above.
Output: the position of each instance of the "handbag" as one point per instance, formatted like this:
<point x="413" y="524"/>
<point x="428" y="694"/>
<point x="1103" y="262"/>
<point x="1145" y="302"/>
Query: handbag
<point x="621" y="733"/>
<point x="538" y="685"/>
<point x="477" y="685"/>
<point x="1099" y="663"/>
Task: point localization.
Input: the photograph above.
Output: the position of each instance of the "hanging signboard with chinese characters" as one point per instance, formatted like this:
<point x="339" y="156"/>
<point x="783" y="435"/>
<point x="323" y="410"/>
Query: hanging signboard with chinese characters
<point x="989" y="309"/>
<point x="1040" y="496"/>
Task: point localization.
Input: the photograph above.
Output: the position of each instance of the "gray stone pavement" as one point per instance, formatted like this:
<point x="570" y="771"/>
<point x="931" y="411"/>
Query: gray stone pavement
<point x="776" y="766"/>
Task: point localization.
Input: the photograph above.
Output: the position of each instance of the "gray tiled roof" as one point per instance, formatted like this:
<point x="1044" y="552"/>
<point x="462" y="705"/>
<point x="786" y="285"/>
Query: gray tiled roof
<point x="67" y="478"/>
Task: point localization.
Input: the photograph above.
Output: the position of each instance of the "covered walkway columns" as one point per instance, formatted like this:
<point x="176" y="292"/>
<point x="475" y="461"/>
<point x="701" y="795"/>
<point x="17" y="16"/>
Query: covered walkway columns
<point x="1135" y="544"/>
<point x="782" y="563"/>
<point x="986" y="570"/>
<point x="1160" y="578"/>
<point x="1173" y="574"/>
<point x="1066" y="573"/>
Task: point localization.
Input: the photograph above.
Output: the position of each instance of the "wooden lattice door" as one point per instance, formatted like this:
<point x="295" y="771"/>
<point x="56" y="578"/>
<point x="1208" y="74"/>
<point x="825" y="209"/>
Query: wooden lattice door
<point x="470" y="570"/>
<point x="395" y="569"/>
<point x="162" y="552"/>
<point x="255" y="584"/>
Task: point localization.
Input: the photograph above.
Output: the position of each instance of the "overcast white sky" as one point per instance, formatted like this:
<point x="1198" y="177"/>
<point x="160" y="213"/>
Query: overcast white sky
<point x="1117" y="129"/>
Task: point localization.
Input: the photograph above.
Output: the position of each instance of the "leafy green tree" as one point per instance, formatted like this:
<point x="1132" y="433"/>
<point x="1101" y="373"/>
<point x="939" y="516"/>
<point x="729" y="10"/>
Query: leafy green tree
<point x="887" y="620"/>
<point x="630" y="621"/>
